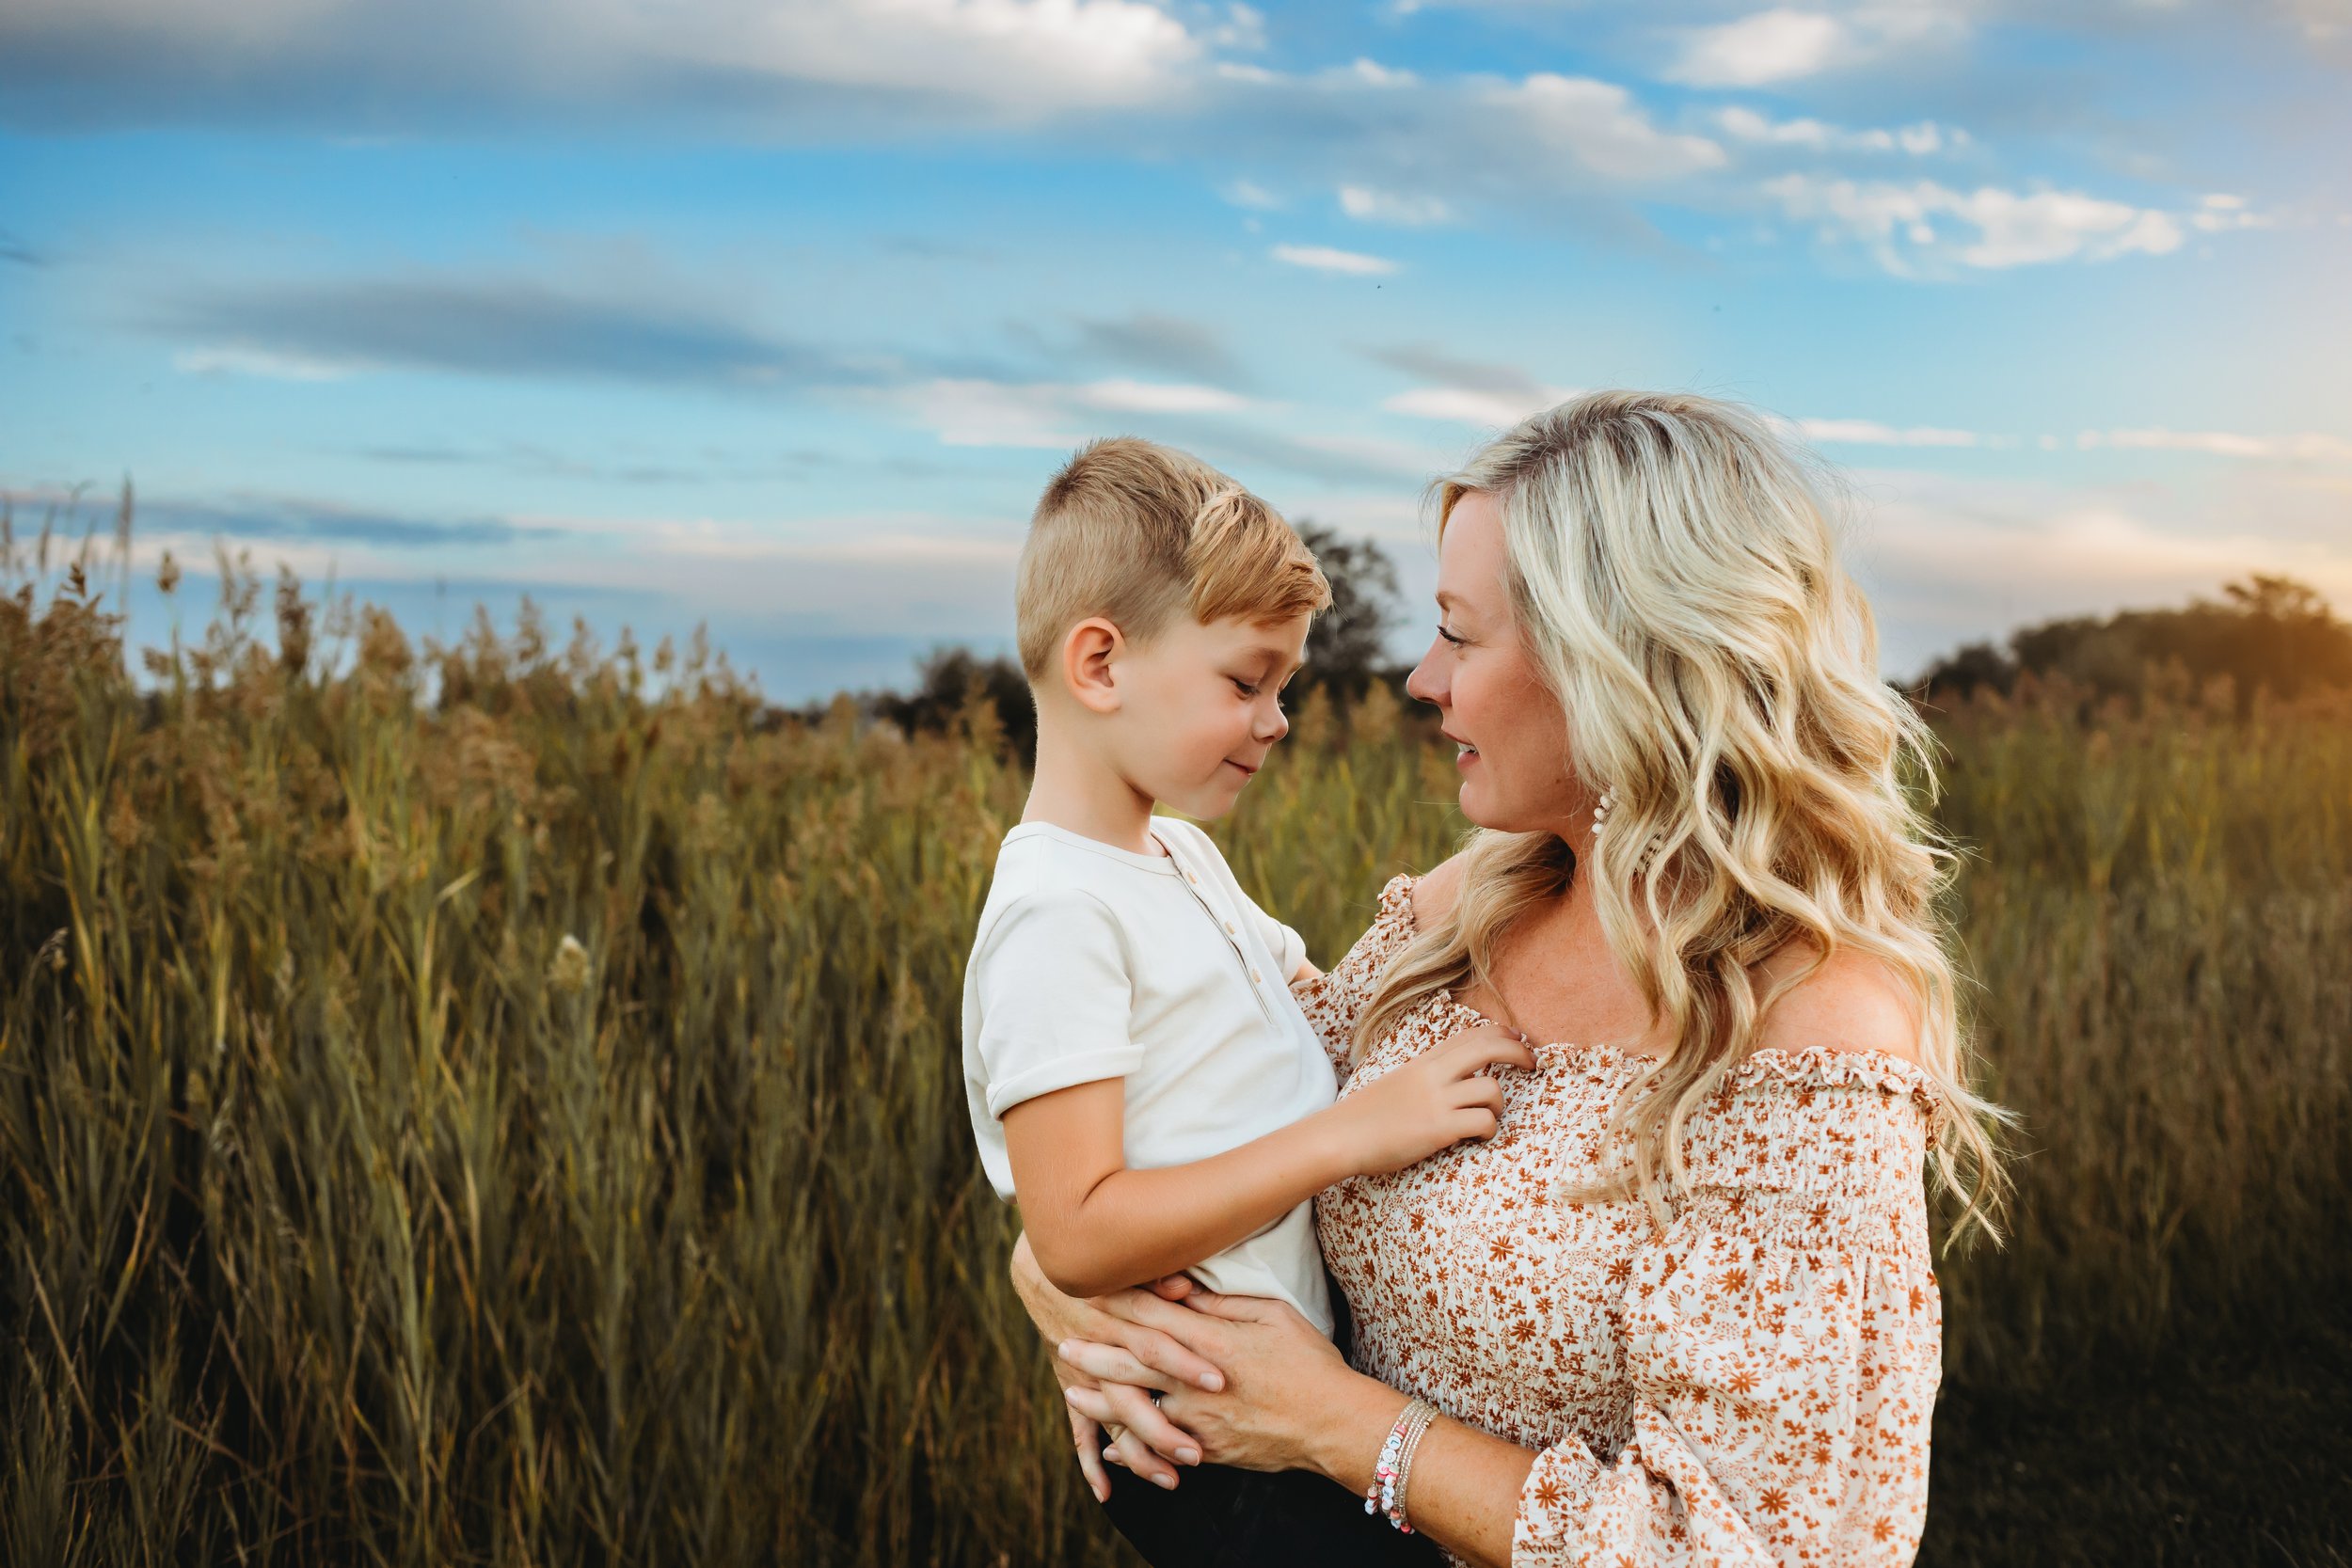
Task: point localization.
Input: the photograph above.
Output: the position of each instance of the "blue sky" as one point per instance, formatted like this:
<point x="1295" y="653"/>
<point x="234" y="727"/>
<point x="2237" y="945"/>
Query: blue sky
<point x="774" y="317"/>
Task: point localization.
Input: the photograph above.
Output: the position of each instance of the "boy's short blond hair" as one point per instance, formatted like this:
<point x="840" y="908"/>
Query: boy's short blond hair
<point x="1133" y="531"/>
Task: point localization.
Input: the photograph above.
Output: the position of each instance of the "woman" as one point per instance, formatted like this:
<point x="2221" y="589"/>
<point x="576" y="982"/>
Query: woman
<point x="1680" y="1308"/>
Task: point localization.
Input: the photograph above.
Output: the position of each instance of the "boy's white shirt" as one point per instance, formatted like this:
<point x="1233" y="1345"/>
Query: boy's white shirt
<point x="1092" y="961"/>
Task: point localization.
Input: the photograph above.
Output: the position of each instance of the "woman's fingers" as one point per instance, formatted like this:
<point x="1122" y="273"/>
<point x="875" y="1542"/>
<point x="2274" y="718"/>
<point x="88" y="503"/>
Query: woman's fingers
<point x="1087" y="1434"/>
<point x="1113" y="1364"/>
<point x="1137" y="1455"/>
<point x="1164" y="1354"/>
<point x="1192" y="1332"/>
<point x="1124" y="1449"/>
<point x="1134" y="1452"/>
<point x="1131" y="1408"/>
<point x="1141" y="1414"/>
<point x="1245" y="1310"/>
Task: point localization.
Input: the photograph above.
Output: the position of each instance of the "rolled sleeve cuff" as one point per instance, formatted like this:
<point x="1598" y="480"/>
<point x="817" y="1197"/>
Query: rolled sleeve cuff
<point x="1291" y="953"/>
<point x="1086" y="1067"/>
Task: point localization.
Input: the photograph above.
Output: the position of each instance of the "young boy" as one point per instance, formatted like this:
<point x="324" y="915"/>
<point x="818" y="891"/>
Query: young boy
<point x="1136" y="1069"/>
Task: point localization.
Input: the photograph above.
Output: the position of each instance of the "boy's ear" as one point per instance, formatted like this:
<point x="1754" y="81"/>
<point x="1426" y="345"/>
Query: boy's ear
<point x="1089" y="653"/>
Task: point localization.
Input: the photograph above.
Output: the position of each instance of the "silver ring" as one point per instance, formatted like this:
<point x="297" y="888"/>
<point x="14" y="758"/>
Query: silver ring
<point x="1155" y="1399"/>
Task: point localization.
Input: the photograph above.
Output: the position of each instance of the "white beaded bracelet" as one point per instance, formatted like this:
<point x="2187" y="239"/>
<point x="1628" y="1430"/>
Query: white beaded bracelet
<point x="1385" y="1495"/>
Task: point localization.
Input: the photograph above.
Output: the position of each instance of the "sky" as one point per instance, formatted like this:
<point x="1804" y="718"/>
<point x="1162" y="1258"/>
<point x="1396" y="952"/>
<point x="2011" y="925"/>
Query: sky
<point x="773" y="318"/>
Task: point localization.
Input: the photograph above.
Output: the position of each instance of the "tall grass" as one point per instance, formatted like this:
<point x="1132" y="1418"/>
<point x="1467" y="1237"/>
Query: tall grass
<point x="527" y="1128"/>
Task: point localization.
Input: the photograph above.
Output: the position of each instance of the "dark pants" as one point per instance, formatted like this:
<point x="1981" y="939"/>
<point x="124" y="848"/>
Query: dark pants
<point x="1233" y="1518"/>
<point x="1230" y="1518"/>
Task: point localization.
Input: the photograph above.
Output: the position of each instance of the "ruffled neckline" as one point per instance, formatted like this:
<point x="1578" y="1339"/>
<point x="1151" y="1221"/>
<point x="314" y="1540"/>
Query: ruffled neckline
<point x="1797" y="1067"/>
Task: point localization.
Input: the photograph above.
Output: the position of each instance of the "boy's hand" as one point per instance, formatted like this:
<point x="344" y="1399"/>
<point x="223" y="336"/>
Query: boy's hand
<point x="1433" y="1101"/>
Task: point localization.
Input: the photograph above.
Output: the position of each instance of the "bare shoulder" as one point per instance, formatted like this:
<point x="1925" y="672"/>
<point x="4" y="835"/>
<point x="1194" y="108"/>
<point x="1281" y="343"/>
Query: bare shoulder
<point x="1435" y="891"/>
<point x="1855" y="1001"/>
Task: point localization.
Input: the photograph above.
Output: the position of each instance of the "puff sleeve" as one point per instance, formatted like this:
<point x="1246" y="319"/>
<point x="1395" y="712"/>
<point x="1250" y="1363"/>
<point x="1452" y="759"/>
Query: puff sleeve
<point x="1333" y="999"/>
<point x="1783" y="1341"/>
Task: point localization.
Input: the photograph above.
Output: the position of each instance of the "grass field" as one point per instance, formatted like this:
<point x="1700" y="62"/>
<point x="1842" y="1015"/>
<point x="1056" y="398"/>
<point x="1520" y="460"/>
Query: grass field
<point x="528" y="1128"/>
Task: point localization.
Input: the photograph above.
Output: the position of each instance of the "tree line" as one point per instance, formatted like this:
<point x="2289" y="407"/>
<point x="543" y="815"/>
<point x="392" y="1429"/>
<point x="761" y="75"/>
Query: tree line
<point x="2266" y="633"/>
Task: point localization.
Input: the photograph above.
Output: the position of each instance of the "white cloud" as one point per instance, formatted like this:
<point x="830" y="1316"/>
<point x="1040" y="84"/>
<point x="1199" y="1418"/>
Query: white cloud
<point x="2051" y="226"/>
<point x="1461" y="390"/>
<point x="980" y="413"/>
<point x="1469" y="405"/>
<point x="1011" y="53"/>
<point x="1323" y="257"/>
<point x="1243" y="28"/>
<point x="1951" y="558"/>
<point x="1249" y="194"/>
<point x="1784" y="43"/>
<point x="2221" y="211"/>
<point x="1922" y="140"/>
<point x="2011" y="228"/>
<point x="1157" y="397"/>
<point x="1600" y="126"/>
<point x="2306" y="448"/>
<point x="1770" y="46"/>
<point x="1371" y="73"/>
<point x="1869" y="432"/>
<point x="1011" y="59"/>
<point x="968" y="413"/>
<point x="744" y="543"/>
<point x="232" y="361"/>
<point x="1371" y="206"/>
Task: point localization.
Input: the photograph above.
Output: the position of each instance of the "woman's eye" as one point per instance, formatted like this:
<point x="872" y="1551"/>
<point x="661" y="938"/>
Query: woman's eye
<point x="1449" y="637"/>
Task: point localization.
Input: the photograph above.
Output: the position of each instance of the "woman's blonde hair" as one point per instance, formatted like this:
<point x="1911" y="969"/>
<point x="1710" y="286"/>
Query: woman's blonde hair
<point x="1672" y="571"/>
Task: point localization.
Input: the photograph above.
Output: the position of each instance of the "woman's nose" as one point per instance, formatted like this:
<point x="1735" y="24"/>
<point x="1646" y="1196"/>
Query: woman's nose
<point x="1421" y="687"/>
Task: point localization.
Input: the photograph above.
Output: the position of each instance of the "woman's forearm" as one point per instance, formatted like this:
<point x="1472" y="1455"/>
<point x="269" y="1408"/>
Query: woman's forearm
<point x="1465" y="1485"/>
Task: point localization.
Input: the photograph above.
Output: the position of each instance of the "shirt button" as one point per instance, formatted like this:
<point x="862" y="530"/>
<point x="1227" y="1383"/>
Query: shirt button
<point x="1254" y="974"/>
<point x="1190" y="877"/>
<point x="1228" y="926"/>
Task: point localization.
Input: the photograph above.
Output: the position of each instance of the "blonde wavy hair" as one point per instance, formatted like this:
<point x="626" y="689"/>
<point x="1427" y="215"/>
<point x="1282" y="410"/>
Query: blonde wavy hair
<point x="1673" y="575"/>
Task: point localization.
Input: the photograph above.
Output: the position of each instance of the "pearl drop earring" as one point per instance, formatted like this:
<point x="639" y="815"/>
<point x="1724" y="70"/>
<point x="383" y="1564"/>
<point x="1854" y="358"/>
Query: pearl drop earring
<point x="1600" y="820"/>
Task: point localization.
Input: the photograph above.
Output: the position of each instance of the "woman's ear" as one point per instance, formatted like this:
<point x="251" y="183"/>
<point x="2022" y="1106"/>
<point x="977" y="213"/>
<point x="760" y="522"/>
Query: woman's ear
<point x="1090" y="653"/>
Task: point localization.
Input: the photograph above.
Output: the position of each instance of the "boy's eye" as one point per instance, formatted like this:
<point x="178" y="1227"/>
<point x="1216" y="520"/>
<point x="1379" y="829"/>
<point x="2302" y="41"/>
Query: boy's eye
<point x="1244" y="686"/>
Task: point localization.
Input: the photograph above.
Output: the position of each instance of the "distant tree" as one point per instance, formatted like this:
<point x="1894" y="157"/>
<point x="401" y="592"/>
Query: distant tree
<point x="1347" y="645"/>
<point x="1346" y="654"/>
<point x="945" y="680"/>
<point x="1974" y="665"/>
<point x="2268" y="633"/>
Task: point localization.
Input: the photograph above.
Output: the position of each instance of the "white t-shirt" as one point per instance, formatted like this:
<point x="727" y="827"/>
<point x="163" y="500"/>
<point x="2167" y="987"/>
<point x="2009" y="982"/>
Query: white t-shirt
<point x="1092" y="961"/>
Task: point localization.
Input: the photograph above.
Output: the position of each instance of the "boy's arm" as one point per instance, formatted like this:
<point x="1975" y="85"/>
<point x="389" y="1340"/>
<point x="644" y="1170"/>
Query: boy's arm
<point x="1096" y="1225"/>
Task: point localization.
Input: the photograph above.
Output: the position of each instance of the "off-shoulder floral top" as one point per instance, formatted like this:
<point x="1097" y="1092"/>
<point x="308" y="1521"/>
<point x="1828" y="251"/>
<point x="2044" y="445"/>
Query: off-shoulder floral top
<point x="1752" y="1386"/>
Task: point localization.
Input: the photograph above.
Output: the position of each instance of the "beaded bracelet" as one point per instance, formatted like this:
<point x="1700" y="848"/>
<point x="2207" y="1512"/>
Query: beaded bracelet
<point x="1386" y="1494"/>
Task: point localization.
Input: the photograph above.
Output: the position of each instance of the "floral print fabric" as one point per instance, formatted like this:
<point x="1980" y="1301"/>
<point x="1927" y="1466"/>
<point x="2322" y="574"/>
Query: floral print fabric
<point x="1752" y="1386"/>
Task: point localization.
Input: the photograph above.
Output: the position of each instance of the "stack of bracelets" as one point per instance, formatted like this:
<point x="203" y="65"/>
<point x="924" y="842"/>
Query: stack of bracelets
<point x="1386" y="1494"/>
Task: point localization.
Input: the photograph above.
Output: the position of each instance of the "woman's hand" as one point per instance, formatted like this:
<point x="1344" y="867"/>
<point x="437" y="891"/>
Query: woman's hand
<point x="1153" y="1360"/>
<point x="1282" y="1377"/>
